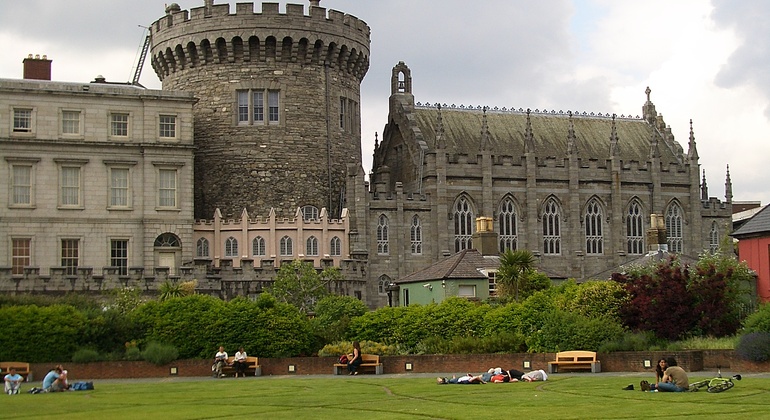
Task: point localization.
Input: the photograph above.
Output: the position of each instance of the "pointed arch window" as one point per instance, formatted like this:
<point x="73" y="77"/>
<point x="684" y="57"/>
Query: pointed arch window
<point x="202" y="248"/>
<point x="311" y="246"/>
<point x="415" y="235"/>
<point x="231" y="247"/>
<point x="382" y="284"/>
<point x="594" y="228"/>
<point x="506" y="222"/>
<point x="551" y="228"/>
<point x="463" y="217"/>
<point x="714" y="238"/>
<point x="382" y="235"/>
<point x="674" y="228"/>
<point x="336" y="247"/>
<point x="286" y="247"/>
<point x="634" y="229"/>
<point x="258" y="248"/>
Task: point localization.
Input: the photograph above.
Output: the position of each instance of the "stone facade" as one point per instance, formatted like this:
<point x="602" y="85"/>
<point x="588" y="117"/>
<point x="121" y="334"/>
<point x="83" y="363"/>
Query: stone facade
<point x="278" y="116"/>
<point x="89" y="181"/>
<point x="575" y="189"/>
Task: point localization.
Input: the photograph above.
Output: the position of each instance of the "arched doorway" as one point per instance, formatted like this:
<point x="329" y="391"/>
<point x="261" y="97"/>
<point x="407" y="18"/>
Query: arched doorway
<point x="168" y="250"/>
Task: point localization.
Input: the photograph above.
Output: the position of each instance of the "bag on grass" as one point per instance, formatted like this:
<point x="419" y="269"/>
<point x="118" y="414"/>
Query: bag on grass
<point x="83" y="386"/>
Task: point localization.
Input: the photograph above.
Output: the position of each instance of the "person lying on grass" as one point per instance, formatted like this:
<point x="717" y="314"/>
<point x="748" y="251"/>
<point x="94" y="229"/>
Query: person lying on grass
<point x="463" y="380"/>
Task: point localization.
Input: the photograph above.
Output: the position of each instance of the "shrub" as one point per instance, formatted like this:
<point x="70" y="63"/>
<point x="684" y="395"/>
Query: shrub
<point x="86" y="356"/>
<point x="504" y="342"/>
<point x="333" y="315"/>
<point x="759" y="321"/>
<point x="133" y="353"/>
<point x="160" y="354"/>
<point x="368" y="347"/>
<point x="632" y="341"/>
<point x="41" y="334"/>
<point x="563" y="331"/>
<point x="754" y="347"/>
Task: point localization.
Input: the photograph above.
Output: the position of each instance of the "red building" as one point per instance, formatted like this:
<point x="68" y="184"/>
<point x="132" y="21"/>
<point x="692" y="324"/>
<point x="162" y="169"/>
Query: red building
<point x="754" y="248"/>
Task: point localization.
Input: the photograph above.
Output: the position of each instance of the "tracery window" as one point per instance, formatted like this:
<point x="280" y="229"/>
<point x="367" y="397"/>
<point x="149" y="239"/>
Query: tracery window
<point x="382" y="235"/>
<point x="674" y="227"/>
<point x="506" y="222"/>
<point x="415" y="235"/>
<point x="634" y="230"/>
<point x="594" y="229"/>
<point x="463" y="218"/>
<point x="551" y="227"/>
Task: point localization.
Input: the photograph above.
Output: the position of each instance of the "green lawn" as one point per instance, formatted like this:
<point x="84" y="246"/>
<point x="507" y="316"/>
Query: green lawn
<point x="368" y="397"/>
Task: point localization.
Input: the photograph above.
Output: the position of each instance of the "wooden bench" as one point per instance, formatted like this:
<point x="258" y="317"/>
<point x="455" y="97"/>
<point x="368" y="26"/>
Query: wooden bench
<point x="252" y="364"/>
<point x="367" y="361"/>
<point x="575" y="360"/>
<point x="22" y="368"/>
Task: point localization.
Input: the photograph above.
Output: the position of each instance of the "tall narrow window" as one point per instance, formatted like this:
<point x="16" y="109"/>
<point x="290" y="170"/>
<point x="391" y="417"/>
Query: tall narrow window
<point x="286" y="247"/>
<point x="343" y="103"/>
<point x="674" y="227"/>
<point x="272" y="104"/>
<point x="714" y="238"/>
<point x="21" y="185"/>
<point x="231" y="247"/>
<point x="492" y="276"/>
<point x="382" y="235"/>
<point x="167" y="128"/>
<point x="311" y="246"/>
<point x="202" y="248"/>
<point x="70" y="255"/>
<point x="463" y="225"/>
<point x="119" y="255"/>
<point x="118" y="187"/>
<point x="634" y="232"/>
<point x="22" y="120"/>
<point x="70" y="122"/>
<point x="119" y="125"/>
<point x="167" y="187"/>
<point x="21" y="254"/>
<point x="507" y="225"/>
<point x="243" y="106"/>
<point x="594" y="231"/>
<point x="259" y="107"/>
<point x="551" y="228"/>
<point x="336" y="247"/>
<point x="258" y="247"/>
<point x="70" y="185"/>
<point x="415" y="235"/>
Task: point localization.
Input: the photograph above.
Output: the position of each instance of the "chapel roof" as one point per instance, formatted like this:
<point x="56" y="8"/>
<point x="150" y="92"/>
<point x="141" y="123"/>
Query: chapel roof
<point x="507" y="133"/>
<point x="758" y="224"/>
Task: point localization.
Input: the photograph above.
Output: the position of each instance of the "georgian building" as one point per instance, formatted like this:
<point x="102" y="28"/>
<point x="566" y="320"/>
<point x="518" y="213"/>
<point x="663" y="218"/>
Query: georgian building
<point x="97" y="179"/>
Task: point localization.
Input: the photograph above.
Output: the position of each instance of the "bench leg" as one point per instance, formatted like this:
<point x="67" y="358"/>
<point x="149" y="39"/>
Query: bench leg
<point x="378" y="370"/>
<point x="258" y="371"/>
<point x="552" y="368"/>
<point x="596" y="367"/>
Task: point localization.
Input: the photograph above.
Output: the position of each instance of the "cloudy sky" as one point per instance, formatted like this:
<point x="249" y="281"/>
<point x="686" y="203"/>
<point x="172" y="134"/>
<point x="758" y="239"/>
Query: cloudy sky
<point x="705" y="60"/>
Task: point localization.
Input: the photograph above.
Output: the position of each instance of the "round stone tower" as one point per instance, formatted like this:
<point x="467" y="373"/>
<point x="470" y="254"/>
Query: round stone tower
<point x="278" y="118"/>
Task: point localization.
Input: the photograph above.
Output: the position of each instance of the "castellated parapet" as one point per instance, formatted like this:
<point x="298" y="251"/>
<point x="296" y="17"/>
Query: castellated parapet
<point x="278" y="115"/>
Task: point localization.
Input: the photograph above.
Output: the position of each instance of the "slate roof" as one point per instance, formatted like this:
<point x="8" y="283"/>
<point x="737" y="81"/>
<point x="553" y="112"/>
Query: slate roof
<point x="462" y="133"/>
<point x="462" y="265"/>
<point x="756" y="226"/>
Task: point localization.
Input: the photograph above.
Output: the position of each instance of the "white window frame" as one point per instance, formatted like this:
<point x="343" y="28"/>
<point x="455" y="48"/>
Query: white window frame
<point x="168" y="126"/>
<point x="674" y="227"/>
<point x="202" y="248"/>
<point x="231" y="247"/>
<point x="76" y="257"/>
<point x="28" y="127"/>
<point x="17" y="185"/>
<point x="18" y="260"/>
<point x="286" y="247"/>
<point x="168" y="189"/>
<point x="258" y="247"/>
<point x="65" y="166"/>
<point x="258" y="107"/>
<point x="415" y="235"/>
<point x="466" y="290"/>
<point x="383" y="246"/>
<point x="311" y="246"/>
<point x="120" y="126"/>
<point x="71" y="122"/>
<point x="122" y="259"/>
<point x="114" y="188"/>
<point x="335" y="245"/>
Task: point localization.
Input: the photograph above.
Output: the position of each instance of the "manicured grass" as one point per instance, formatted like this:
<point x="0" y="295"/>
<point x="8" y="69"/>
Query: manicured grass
<point x="582" y="396"/>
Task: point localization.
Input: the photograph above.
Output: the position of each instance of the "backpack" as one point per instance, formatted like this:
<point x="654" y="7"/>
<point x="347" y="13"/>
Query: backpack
<point x="82" y="386"/>
<point x="344" y="359"/>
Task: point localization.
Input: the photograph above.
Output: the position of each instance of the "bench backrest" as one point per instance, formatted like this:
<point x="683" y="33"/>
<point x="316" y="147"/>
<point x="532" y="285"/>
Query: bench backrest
<point x="370" y="358"/>
<point x="576" y="356"/>
<point x="21" y="367"/>
<point x="251" y="360"/>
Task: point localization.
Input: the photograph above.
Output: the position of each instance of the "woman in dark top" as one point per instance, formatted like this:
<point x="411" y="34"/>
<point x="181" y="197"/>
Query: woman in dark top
<point x="355" y="359"/>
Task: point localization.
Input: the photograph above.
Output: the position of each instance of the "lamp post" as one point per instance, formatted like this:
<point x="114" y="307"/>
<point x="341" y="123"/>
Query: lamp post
<point x="390" y="288"/>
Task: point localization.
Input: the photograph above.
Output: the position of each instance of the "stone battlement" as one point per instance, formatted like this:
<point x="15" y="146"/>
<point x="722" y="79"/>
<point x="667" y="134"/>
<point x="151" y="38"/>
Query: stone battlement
<point x="212" y="35"/>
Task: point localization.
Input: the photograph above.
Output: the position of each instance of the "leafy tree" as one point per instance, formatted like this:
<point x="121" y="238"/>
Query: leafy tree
<point x="301" y="285"/>
<point x="514" y="265"/>
<point x="333" y="314"/>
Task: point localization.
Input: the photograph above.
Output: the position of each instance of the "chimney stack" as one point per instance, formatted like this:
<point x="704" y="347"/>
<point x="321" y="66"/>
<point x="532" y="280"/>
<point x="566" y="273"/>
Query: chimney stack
<point x="37" y="68"/>
<point x="485" y="238"/>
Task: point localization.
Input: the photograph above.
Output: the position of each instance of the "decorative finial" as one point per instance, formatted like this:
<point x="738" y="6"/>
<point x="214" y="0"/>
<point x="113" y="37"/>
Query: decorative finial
<point x="728" y="187"/>
<point x="704" y="189"/>
<point x="648" y="91"/>
<point x="692" y="152"/>
<point x="376" y="141"/>
<point x="614" y="138"/>
<point x="571" y="138"/>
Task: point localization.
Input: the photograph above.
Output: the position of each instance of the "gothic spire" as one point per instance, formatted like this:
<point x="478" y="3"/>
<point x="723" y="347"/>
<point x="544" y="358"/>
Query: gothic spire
<point x="692" y="152"/>
<point x="704" y="189"/>
<point x="614" y="151"/>
<point x="728" y="187"/>
<point x="376" y="141"/>
<point x="484" y="131"/>
<point x="529" y="137"/>
<point x="572" y="148"/>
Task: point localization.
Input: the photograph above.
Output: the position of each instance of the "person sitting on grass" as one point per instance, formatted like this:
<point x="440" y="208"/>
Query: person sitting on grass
<point x="674" y="379"/>
<point x="55" y="380"/>
<point x="12" y="382"/>
<point x="463" y="380"/>
<point x="660" y="368"/>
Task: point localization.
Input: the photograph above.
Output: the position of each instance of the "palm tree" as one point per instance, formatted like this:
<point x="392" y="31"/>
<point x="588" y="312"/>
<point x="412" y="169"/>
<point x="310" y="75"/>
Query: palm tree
<point x="513" y="265"/>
